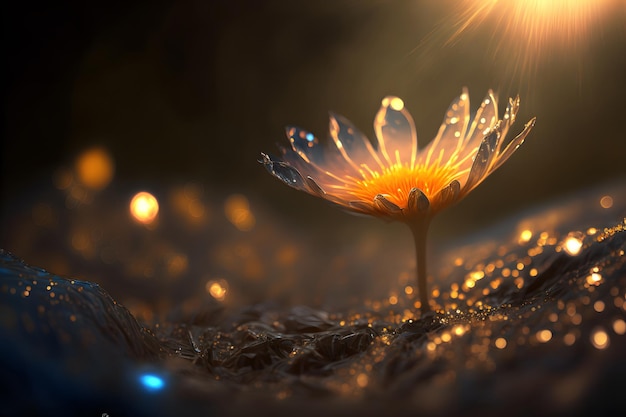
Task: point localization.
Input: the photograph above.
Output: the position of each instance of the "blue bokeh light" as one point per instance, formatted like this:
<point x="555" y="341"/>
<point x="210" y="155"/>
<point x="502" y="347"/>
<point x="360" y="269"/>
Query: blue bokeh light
<point x="152" y="382"/>
<point x="310" y="137"/>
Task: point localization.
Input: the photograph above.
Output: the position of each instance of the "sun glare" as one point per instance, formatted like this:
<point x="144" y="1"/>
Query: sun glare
<point x="531" y="31"/>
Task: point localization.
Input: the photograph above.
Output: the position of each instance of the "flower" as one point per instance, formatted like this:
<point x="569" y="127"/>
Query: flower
<point x="390" y="177"/>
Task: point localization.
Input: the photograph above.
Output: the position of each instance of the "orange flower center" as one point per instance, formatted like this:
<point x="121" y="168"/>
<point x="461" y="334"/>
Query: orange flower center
<point x="395" y="182"/>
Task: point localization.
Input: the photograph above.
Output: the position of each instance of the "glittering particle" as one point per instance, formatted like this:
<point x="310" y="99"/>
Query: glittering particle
<point x="144" y="207"/>
<point x="606" y="202"/>
<point x="544" y="336"/>
<point x="152" y="382"/>
<point x="599" y="339"/>
<point x="94" y="168"/>
<point x="237" y="210"/>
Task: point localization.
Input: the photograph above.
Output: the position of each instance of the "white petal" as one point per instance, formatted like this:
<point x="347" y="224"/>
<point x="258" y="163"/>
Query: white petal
<point x="352" y="144"/>
<point x="306" y="145"/>
<point x="451" y="133"/>
<point x="396" y="133"/>
<point x="483" y="160"/>
<point x="485" y="119"/>
<point x="513" y="145"/>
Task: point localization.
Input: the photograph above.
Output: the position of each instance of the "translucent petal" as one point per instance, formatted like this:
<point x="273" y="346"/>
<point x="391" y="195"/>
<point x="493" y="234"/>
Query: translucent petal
<point x="486" y="117"/>
<point x="352" y="144"/>
<point x="306" y="145"/>
<point x="385" y="205"/>
<point x="483" y="160"/>
<point x="508" y="119"/>
<point x="418" y="202"/>
<point x="514" y="144"/>
<point x="395" y="130"/>
<point x="451" y="133"/>
<point x="284" y="172"/>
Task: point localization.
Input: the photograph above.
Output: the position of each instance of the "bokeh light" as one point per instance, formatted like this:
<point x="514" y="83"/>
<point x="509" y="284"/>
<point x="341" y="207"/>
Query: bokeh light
<point x="600" y="338"/>
<point x="217" y="289"/>
<point x="95" y="168"/>
<point x="606" y="201"/>
<point x="237" y="210"/>
<point x="144" y="207"/>
<point x="152" y="382"/>
<point x="573" y="244"/>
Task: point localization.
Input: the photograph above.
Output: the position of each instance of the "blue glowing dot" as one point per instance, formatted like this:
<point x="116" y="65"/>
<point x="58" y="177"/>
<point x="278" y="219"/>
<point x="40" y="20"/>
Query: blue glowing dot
<point x="310" y="137"/>
<point x="152" y="382"/>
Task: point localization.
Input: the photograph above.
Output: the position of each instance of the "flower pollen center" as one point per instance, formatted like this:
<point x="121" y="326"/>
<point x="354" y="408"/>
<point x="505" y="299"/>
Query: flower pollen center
<point x="395" y="182"/>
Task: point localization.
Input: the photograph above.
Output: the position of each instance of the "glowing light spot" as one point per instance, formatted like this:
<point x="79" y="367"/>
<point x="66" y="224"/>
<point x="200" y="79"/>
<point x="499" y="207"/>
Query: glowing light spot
<point x="594" y="279"/>
<point x="569" y="339"/>
<point x="599" y="306"/>
<point x="458" y="330"/>
<point x="237" y="210"/>
<point x="573" y="244"/>
<point x="94" y="168"/>
<point x="606" y="201"/>
<point x="217" y="289"/>
<point x="393" y="300"/>
<point x="362" y="380"/>
<point x="310" y="137"/>
<point x="500" y="343"/>
<point x="600" y="339"/>
<point x="619" y="326"/>
<point x="144" y="207"/>
<point x="544" y="336"/>
<point x="408" y="290"/>
<point x="152" y="382"/>
<point x="525" y="236"/>
<point x="477" y="275"/>
<point x="396" y="104"/>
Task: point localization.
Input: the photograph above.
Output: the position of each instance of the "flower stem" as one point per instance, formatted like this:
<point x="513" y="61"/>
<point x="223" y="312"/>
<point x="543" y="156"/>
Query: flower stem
<point x="420" y="232"/>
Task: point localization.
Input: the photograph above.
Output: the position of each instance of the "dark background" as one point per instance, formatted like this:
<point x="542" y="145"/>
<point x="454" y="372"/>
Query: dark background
<point x="194" y="90"/>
